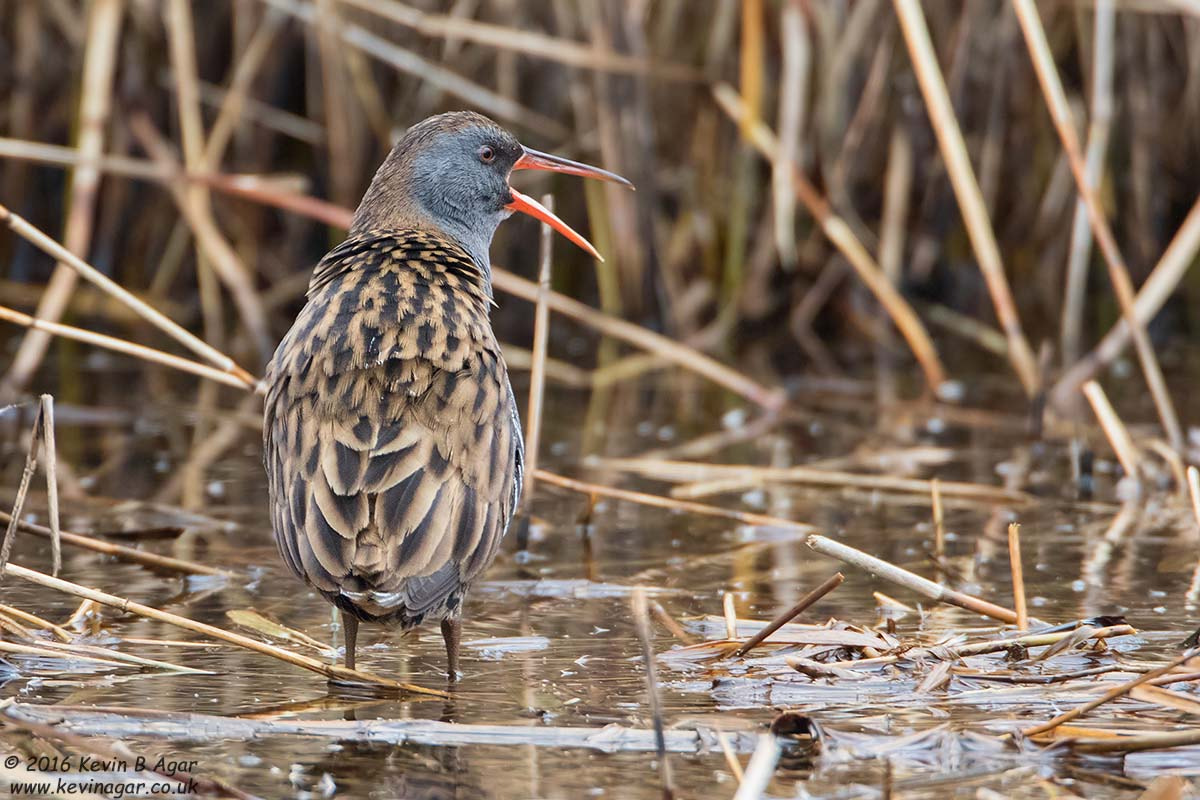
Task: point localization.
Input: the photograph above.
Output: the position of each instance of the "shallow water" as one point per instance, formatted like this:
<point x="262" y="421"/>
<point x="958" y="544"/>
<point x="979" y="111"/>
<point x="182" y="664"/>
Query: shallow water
<point x="549" y="638"/>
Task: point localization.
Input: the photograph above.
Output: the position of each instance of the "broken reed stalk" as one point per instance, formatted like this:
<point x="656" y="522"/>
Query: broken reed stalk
<point x="1111" y="694"/>
<point x="1114" y="429"/>
<point x="122" y="346"/>
<point x="332" y="671"/>
<point x="909" y="580"/>
<point x="59" y="631"/>
<point x="829" y="584"/>
<point x="147" y="312"/>
<point x="50" y="450"/>
<point x="659" y="501"/>
<point x="966" y="188"/>
<point x="730" y="609"/>
<point x="641" y="618"/>
<point x="541" y="339"/>
<point x="1118" y="272"/>
<point x="1018" y="575"/>
<point x="843" y="238"/>
<point x="121" y="552"/>
<point x="10" y="533"/>
<point x="95" y="105"/>
<point x="760" y="769"/>
<point x="735" y="766"/>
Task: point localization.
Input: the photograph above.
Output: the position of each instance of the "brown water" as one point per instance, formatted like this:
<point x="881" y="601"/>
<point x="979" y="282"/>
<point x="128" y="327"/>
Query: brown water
<point x="549" y="639"/>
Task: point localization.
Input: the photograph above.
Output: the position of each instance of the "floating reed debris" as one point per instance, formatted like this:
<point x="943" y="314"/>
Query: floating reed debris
<point x="827" y="586"/>
<point x="176" y="726"/>
<point x="332" y="671"/>
<point x="1113" y="694"/>
<point x="909" y="580"/>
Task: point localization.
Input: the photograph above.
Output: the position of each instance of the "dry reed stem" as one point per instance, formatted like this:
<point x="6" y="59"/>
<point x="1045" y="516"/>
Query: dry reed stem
<point x="1118" y="272"/>
<point x="121" y="552"/>
<point x="50" y="450"/>
<point x="1103" y="48"/>
<point x="669" y="623"/>
<point x="1111" y="694"/>
<point x="909" y="580"/>
<point x="1114" y="429"/>
<point x="735" y="766"/>
<point x="541" y="339"/>
<point x="212" y="246"/>
<point x="658" y="501"/>
<point x="333" y="671"/>
<point x="123" y="346"/>
<point x="95" y="104"/>
<point x="10" y="533"/>
<point x="1018" y="575"/>
<point x="966" y="189"/>
<point x="234" y="101"/>
<point x="760" y="769"/>
<point x="62" y="633"/>
<point x="730" y="614"/>
<point x="690" y="471"/>
<point x="525" y="42"/>
<point x="1193" y="480"/>
<point x="433" y="74"/>
<point x="641" y="619"/>
<point x="75" y="649"/>
<point x="1163" y="280"/>
<point x="939" y="520"/>
<point x="829" y="584"/>
<point x="793" y="88"/>
<point x="843" y="238"/>
<point x="189" y="340"/>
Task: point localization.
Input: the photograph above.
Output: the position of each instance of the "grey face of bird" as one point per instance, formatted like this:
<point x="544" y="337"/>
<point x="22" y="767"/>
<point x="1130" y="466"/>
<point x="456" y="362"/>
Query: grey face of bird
<point x="450" y="173"/>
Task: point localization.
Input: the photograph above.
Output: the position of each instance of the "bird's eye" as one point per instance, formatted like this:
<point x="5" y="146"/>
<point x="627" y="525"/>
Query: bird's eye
<point x="487" y="154"/>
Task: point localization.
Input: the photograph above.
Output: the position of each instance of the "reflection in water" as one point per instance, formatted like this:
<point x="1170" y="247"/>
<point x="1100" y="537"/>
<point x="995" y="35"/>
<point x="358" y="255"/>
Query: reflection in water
<point x="563" y="578"/>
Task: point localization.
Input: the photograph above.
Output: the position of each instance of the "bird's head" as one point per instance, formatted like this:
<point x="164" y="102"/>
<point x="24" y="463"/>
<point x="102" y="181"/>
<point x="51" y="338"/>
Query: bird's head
<point x="450" y="174"/>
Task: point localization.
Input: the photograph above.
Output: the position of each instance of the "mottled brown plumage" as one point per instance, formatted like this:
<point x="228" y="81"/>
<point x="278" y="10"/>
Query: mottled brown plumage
<point x="393" y="448"/>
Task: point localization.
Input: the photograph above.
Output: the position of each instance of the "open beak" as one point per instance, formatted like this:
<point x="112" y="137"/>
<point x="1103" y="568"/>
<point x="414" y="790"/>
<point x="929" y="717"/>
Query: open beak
<point x="532" y="159"/>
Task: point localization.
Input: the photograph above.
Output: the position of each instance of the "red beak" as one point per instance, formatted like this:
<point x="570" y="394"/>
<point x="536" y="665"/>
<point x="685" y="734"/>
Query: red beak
<point x="532" y="159"/>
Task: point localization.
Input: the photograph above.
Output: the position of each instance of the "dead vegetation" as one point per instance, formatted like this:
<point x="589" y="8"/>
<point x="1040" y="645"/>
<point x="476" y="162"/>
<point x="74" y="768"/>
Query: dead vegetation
<point x="829" y="191"/>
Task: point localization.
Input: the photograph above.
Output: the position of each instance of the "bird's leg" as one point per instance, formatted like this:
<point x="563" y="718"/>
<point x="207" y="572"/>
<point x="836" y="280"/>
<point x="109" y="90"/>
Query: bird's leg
<point x="350" y="626"/>
<point x="452" y="633"/>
